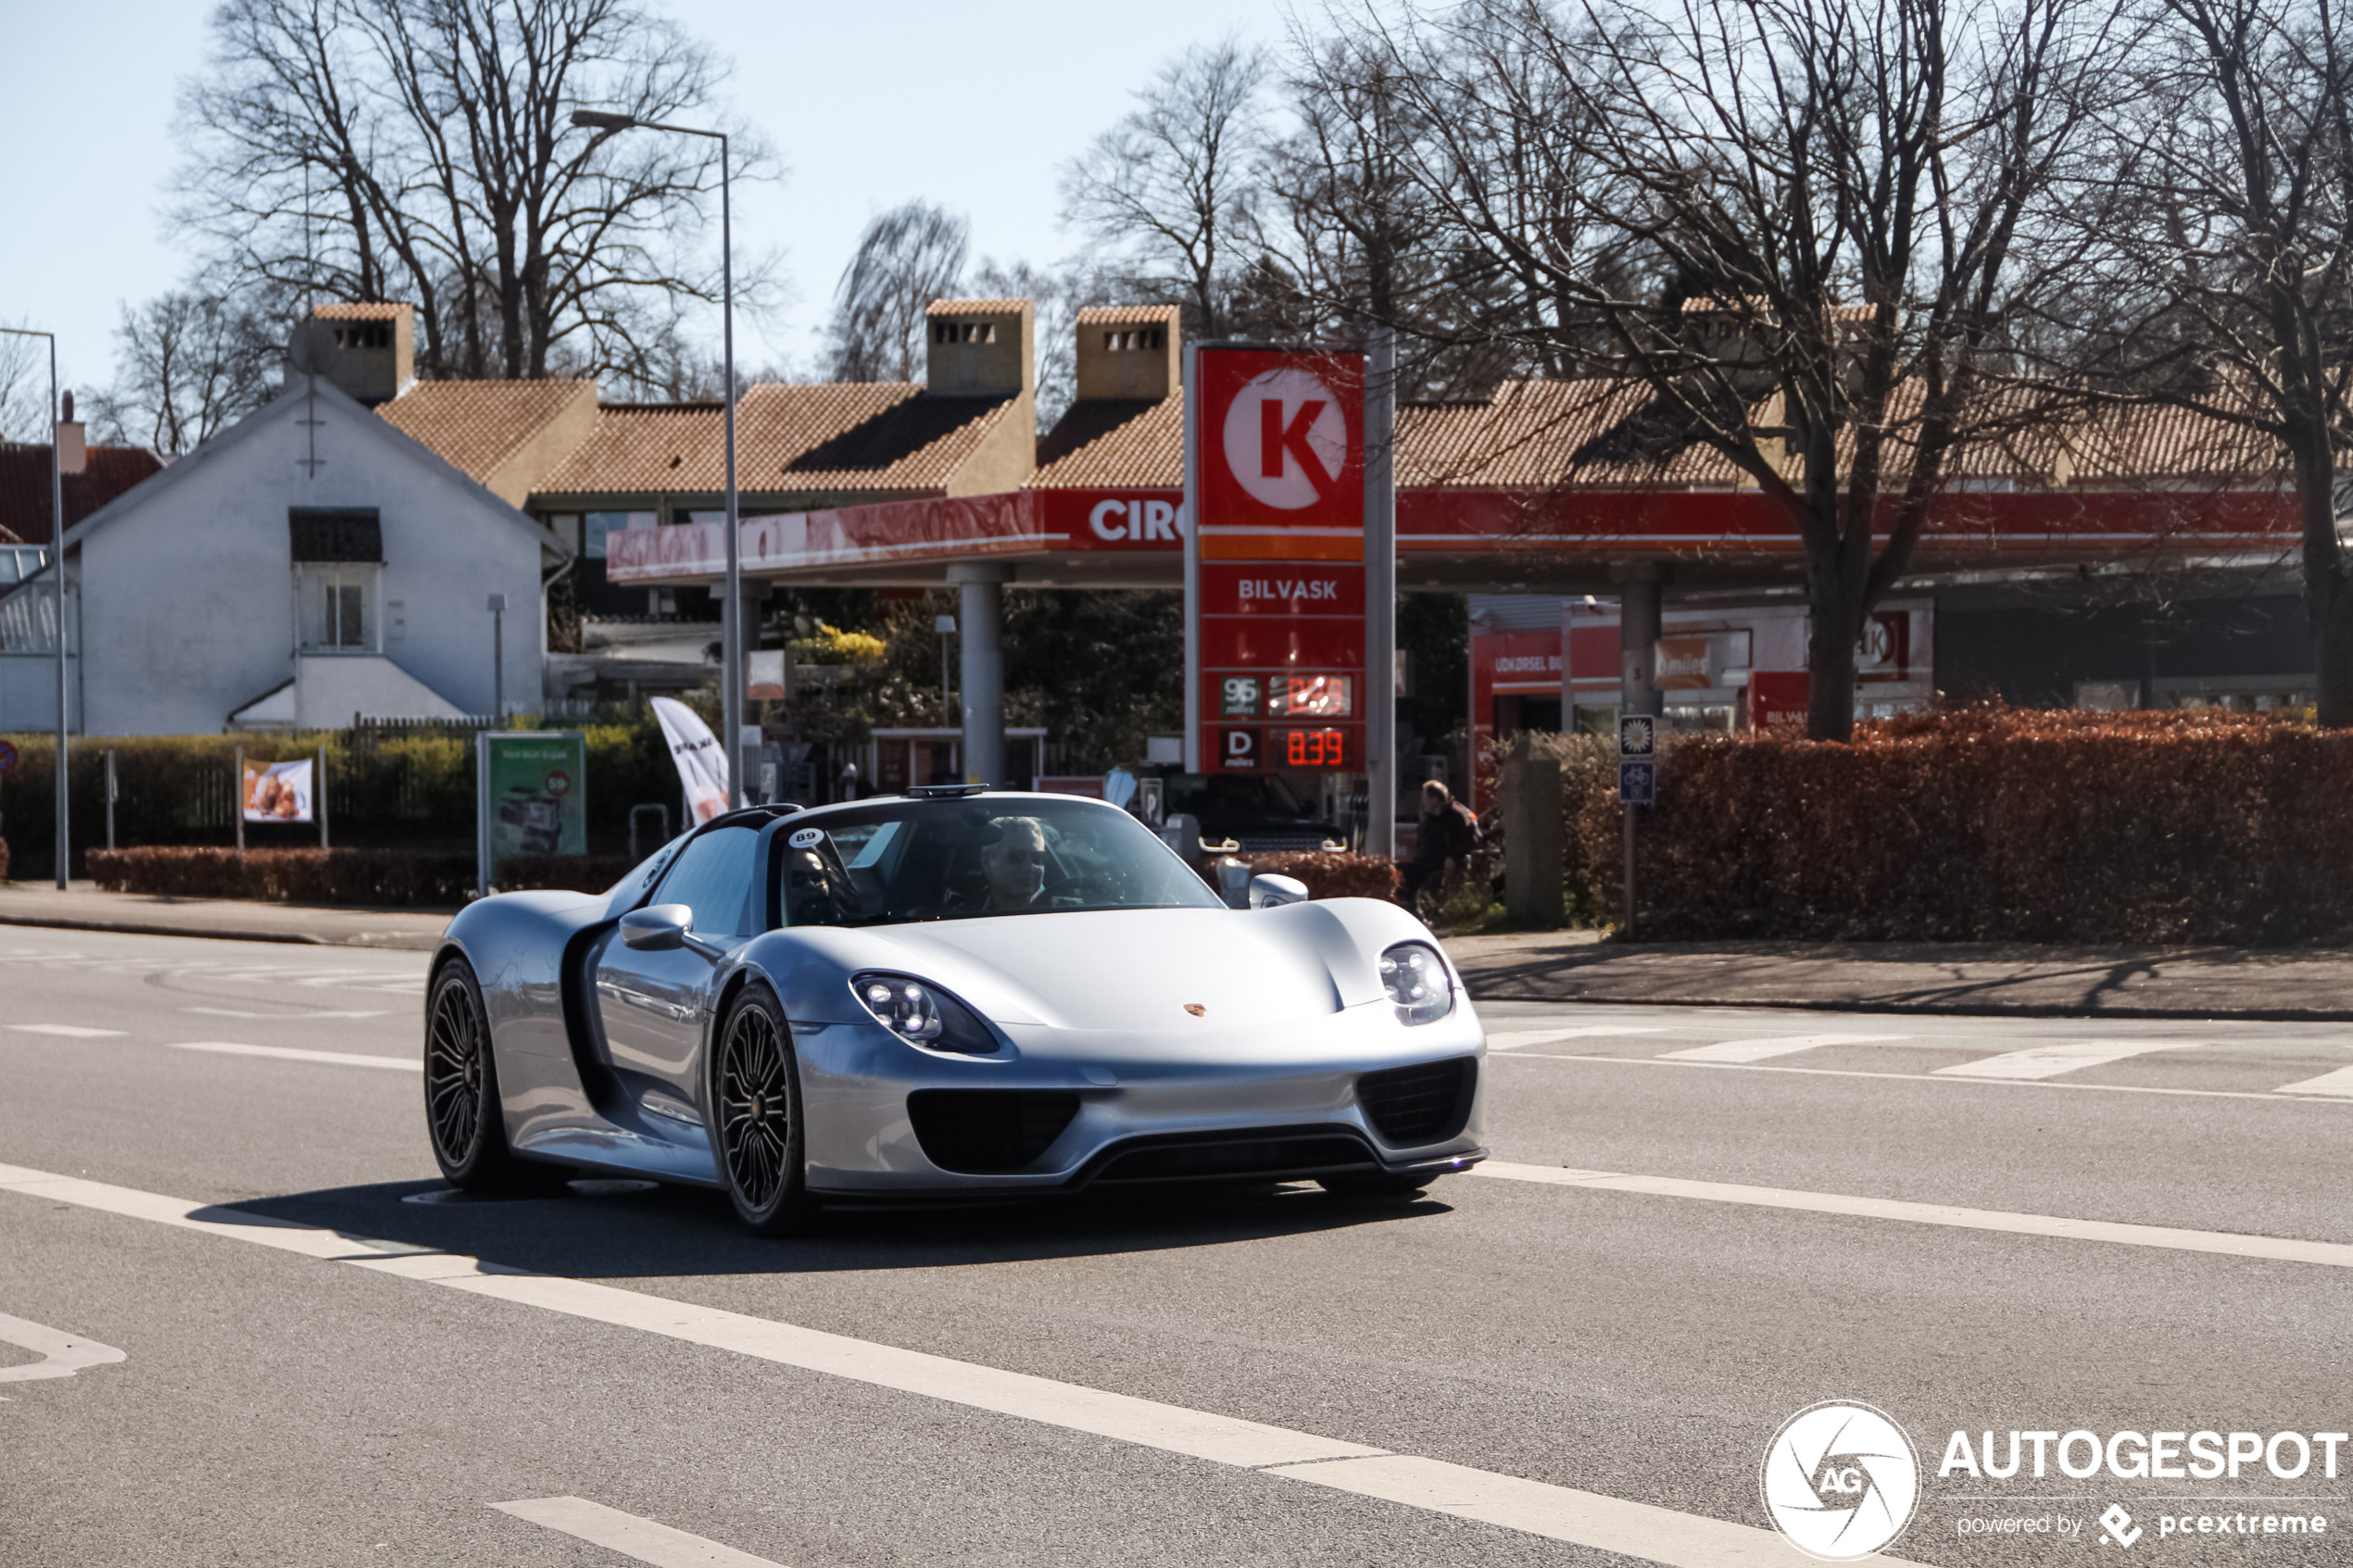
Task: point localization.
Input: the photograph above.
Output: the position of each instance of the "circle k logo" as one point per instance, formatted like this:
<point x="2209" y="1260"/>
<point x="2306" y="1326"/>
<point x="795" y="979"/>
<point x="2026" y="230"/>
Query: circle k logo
<point x="1840" y="1480"/>
<point x="1286" y="439"/>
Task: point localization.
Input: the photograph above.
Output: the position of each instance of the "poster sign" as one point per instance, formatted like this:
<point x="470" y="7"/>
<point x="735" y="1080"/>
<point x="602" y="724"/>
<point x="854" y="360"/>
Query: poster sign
<point x="279" y="793"/>
<point x="533" y="794"/>
<point x="764" y="675"/>
<point x="702" y="763"/>
<point x="7" y="758"/>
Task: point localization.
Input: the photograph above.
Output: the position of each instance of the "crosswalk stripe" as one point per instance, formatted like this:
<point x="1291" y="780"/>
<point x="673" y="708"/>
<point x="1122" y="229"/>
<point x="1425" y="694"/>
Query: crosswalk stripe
<point x="65" y="1030"/>
<point x="1538" y="1508"/>
<point x="2285" y="1249"/>
<point x="2059" y="1056"/>
<point x="1516" y="1039"/>
<point x="629" y="1536"/>
<point x="2338" y="1083"/>
<point x="1777" y="1045"/>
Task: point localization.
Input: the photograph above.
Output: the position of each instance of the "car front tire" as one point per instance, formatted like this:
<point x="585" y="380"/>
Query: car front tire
<point x="462" y="1117"/>
<point x="756" y="1117"/>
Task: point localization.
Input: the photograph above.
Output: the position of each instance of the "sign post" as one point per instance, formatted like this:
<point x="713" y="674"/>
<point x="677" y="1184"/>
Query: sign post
<point x="1276" y="677"/>
<point x="1637" y="786"/>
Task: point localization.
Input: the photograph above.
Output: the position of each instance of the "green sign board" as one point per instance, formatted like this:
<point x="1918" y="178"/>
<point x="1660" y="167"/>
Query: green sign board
<point x="533" y="795"/>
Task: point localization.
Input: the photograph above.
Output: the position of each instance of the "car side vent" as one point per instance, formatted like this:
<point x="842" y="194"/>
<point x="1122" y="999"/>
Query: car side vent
<point x="984" y="1131"/>
<point x="1413" y="1106"/>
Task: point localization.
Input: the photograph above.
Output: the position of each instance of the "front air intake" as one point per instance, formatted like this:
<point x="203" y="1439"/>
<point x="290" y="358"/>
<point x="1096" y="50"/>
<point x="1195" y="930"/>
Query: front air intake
<point x="988" y="1132"/>
<point x="1410" y="1107"/>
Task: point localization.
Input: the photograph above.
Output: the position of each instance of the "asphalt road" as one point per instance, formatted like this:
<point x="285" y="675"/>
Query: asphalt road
<point x="1702" y="1220"/>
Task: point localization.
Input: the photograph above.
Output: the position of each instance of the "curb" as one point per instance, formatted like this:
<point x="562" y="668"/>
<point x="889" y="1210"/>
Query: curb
<point x="1949" y="1009"/>
<point x="223" y="934"/>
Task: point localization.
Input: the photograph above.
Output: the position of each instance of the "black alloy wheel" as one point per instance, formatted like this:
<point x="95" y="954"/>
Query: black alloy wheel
<point x="461" y="1090"/>
<point x="755" y="1111"/>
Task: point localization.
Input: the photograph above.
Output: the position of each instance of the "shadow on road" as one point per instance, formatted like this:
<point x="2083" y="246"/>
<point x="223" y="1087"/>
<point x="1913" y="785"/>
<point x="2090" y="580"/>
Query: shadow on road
<point x="683" y="1231"/>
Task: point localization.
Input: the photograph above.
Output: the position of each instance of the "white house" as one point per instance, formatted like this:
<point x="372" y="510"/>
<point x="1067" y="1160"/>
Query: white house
<point x="308" y="565"/>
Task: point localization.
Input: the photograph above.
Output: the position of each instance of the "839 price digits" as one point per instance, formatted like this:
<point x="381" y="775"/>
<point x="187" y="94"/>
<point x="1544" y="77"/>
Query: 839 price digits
<point x="1310" y="748"/>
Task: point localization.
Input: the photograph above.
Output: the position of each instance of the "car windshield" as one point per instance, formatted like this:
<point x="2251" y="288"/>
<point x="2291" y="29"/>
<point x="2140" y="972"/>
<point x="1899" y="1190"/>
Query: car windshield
<point x="1228" y="793"/>
<point x="953" y="859"/>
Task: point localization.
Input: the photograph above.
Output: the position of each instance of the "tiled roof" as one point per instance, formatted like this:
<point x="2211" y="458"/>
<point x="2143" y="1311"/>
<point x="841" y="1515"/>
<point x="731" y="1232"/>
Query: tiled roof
<point x="842" y="436"/>
<point x="1127" y="315"/>
<point x="975" y="307"/>
<point x="24" y="486"/>
<point x="1115" y="444"/>
<point x="477" y="425"/>
<point x="367" y="310"/>
<point x="1541" y="434"/>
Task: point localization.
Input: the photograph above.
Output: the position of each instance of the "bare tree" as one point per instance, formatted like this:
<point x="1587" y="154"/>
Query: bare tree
<point x="1174" y="186"/>
<point x="1796" y="222"/>
<point x="187" y="364"/>
<point x="2224" y="282"/>
<point x="905" y="259"/>
<point x="24" y="388"/>
<point x="422" y="149"/>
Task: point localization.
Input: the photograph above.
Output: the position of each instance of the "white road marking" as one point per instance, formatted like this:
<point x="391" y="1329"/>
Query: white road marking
<point x="629" y="1536"/>
<point x="2283" y="1249"/>
<point x="2050" y="1060"/>
<point x="68" y="1031"/>
<point x="2271" y="1094"/>
<point x="65" y="1353"/>
<point x="1777" y="1045"/>
<point x="286" y="1017"/>
<point x="2338" y="1083"/>
<point x="291" y="1053"/>
<point x="1536" y="1507"/>
<point x="1513" y="1039"/>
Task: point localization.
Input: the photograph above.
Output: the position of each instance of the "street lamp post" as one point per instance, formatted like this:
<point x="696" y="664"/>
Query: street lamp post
<point x="57" y="559"/>
<point x="731" y="646"/>
<point x="498" y="662"/>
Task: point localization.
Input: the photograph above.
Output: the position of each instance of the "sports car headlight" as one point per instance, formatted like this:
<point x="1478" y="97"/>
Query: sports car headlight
<point x="912" y="1011"/>
<point x="1415" y="979"/>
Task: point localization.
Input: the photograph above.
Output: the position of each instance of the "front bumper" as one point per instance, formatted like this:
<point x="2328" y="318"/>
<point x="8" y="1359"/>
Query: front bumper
<point x="1141" y="1106"/>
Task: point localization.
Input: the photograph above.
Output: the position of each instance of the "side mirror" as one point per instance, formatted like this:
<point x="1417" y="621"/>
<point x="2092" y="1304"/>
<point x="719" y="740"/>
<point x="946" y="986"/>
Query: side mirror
<point x="1268" y="891"/>
<point x="659" y="928"/>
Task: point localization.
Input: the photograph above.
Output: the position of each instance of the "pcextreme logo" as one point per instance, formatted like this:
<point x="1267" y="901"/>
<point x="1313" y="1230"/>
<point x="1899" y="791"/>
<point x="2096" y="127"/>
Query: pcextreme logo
<point x="1840" y="1480"/>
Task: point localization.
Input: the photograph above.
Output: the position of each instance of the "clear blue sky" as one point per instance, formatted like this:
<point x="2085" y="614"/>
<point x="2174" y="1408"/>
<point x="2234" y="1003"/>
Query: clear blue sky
<point x="972" y="106"/>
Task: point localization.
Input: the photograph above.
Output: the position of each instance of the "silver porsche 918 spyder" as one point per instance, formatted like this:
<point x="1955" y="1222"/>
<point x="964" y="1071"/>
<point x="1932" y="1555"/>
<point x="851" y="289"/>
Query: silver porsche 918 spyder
<point x="953" y="992"/>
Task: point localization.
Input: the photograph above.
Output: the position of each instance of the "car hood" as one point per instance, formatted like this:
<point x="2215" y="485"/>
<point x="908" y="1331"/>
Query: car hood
<point x="1139" y="969"/>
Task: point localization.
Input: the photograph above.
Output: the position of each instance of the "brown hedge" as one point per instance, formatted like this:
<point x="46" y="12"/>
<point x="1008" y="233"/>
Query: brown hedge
<point x="1991" y="824"/>
<point x="1333" y="873"/>
<point x="393" y="878"/>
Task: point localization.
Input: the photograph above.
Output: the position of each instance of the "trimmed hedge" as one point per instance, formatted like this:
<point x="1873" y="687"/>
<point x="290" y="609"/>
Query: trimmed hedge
<point x="1333" y="873"/>
<point x="1994" y="824"/>
<point x="389" y="878"/>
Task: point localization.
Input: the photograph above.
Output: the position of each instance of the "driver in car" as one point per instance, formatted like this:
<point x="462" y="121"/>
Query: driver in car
<point x="1014" y="865"/>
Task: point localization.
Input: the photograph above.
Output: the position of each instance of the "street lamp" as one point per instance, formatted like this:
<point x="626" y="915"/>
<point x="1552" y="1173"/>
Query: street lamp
<point x="57" y="559"/>
<point x="731" y="646"/>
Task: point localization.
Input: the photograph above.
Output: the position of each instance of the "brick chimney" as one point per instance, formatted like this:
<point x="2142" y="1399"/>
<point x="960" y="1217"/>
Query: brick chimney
<point x="376" y="348"/>
<point x="1128" y="352"/>
<point x="979" y="347"/>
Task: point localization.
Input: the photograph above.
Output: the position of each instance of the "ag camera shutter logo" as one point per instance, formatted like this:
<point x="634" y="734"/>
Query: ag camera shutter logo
<point x="1840" y="1480"/>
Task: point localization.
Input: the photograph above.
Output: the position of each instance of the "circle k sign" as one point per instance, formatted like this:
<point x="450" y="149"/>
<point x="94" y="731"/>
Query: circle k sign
<point x="1286" y="439"/>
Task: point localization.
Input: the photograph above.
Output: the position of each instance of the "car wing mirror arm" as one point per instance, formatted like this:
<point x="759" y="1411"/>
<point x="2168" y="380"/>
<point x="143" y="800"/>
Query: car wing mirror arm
<point x="662" y="928"/>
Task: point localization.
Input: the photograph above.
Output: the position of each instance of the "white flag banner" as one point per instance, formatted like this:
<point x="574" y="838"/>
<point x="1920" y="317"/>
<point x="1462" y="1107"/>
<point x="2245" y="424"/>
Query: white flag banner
<point x="702" y="763"/>
<point x="278" y="794"/>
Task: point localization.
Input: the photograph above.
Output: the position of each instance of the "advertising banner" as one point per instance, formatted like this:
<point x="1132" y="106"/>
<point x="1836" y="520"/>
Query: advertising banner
<point x="1283" y="456"/>
<point x="702" y="763"/>
<point x="279" y="793"/>
<point x="534" y="795"/>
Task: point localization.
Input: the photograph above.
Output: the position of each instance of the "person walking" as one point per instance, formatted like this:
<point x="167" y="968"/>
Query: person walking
<point x="1447" y="832"/>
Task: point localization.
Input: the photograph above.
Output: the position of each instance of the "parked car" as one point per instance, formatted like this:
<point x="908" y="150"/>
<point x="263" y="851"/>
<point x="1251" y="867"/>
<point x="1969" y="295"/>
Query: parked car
<point x="1247" y="813"/>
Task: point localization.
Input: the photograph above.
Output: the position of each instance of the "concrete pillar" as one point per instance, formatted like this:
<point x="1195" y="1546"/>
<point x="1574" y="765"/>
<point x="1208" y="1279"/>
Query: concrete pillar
<point x="980" y="630"/>
<point x="1533" y="853"/>
<point x="1638" y="624"/>
<point x="1380" y="593"/>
